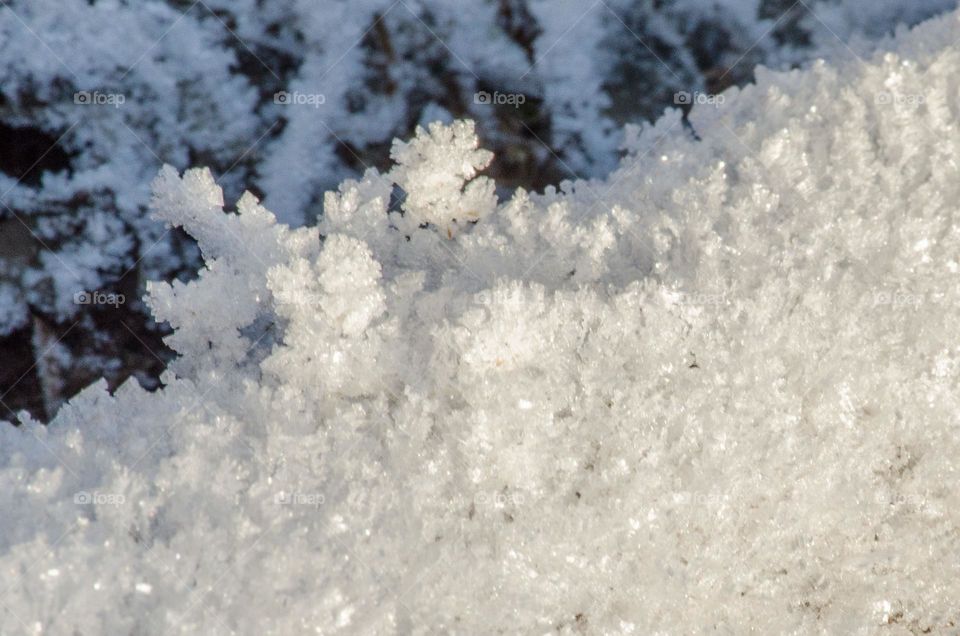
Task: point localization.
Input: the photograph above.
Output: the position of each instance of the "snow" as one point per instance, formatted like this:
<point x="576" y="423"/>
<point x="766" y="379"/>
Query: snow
<point x="434" y="169"/>
<point x="714" y="391"/>
<point x="108" y="91"/>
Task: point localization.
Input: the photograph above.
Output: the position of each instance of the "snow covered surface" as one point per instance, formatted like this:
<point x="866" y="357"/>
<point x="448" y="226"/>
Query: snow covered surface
<point x="715" y="392"/>
<point x="288" y="98"/>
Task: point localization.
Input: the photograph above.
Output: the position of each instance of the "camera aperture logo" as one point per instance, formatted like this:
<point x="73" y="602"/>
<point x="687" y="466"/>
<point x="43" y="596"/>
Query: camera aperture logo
<point x="98" y="98"/>
<point x="483" y="98"/>
<point x="296" y="98"/>
<point x="99" y="298"/>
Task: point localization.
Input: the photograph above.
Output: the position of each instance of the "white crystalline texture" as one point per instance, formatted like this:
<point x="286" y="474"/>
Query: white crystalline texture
<point x="716" y="392"/>
<point x="434" y="170"/>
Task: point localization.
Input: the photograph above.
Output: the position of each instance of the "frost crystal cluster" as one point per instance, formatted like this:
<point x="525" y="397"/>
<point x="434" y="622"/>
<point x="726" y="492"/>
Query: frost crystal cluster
<point x="715" y="392"/>
<point x="290" y="97"/>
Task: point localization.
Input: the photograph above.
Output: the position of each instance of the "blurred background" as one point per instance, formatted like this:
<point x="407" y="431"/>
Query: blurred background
<point x="287" y="98"/>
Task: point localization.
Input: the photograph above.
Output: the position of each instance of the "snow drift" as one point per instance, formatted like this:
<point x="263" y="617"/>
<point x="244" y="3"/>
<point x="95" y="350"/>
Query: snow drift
<point x="714" y="392"/>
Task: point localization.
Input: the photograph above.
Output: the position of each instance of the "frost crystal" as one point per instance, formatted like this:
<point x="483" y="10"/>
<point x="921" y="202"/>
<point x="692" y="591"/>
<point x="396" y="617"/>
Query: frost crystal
<point x="436" y="171"/>
<point x="715" y="392"/>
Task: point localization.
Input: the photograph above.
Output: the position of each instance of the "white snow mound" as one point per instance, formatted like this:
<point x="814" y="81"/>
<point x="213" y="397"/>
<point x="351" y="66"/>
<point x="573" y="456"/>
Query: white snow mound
<point x="716" y="392"/>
